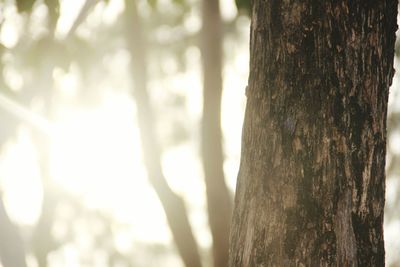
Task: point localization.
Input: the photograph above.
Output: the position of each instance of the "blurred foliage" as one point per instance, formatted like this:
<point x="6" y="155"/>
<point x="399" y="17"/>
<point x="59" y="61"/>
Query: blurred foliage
<point x="152" y="3"/>
<point x="46" y="48"/>
<point x="25" y="5"/>
<point x="243" y="6"/>
<point x="36" y="57"/>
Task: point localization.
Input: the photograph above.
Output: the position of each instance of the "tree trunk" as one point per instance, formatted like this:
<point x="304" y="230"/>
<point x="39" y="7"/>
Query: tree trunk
<point x="218" y="198"/>
<point x="12" y="251"/>
<point x="173" y="205"/>
<point x="311" y="185"/>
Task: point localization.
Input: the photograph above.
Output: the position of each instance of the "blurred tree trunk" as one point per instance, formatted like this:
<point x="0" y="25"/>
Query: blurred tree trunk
<point x="311" y="185"/>
<point x="173" y="204"/>
<point x="42" y="239"/>
<point x="218" y="198"/>
<point x="12" y="252"/>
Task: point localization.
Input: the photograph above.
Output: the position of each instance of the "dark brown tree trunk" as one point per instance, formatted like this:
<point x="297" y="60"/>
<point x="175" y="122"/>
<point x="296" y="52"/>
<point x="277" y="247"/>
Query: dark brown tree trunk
<point x="218" y="198"/>
<point x="311" y="185"/>
<point x="173" y="204"/>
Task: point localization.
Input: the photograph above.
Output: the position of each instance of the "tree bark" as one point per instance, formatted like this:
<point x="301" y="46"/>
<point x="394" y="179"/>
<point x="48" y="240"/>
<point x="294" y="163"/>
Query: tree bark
<point x="218" y="198"/>
<point x="311" y="184"/>
<point x="173" y="204"/>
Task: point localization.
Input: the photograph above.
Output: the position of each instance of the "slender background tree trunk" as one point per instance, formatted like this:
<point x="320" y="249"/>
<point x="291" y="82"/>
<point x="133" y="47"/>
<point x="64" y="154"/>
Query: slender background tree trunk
<point x="173" y="204"/>
<point x="218" y="198"/>
<point x="12" y="251"/>
<point x="311" y="185"/>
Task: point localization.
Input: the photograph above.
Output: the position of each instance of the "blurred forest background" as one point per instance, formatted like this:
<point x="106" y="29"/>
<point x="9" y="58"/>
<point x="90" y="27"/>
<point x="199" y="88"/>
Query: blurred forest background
<point x="120" y="132"/>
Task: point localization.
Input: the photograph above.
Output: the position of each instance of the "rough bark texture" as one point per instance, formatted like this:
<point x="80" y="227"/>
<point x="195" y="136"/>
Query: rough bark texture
<point x="218" y="197"/>
<point x="173" y="205"/>
<point x="311" y="184"/>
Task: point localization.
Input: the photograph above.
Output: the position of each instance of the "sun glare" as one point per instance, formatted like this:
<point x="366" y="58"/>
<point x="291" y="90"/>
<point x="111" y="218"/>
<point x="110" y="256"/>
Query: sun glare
<point x="96" y="155"/>
<point x="20" y="176"/>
